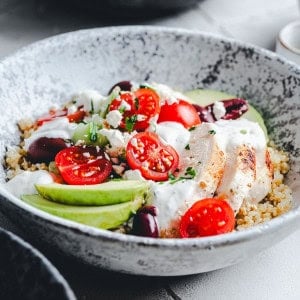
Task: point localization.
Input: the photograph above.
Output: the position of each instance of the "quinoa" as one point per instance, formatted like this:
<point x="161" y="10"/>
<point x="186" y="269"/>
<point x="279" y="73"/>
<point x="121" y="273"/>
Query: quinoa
<point x="277" y="202"/>
<point x="15" y="158"/>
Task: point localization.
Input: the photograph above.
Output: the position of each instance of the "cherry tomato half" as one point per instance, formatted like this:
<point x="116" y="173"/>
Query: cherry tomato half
<point x="207" y="217"/>
<point x="83" y="165"/>
<point x="182" y="112"/>
<point x="77" y="116"/>
<point x="139" y="108"/>
<point x="148" y="154"/>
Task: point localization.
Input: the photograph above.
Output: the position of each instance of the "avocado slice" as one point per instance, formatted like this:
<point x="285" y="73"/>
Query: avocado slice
<point x="204" y="97"/>
<point x="105" y="217"/>
<point x="111" y="192"/>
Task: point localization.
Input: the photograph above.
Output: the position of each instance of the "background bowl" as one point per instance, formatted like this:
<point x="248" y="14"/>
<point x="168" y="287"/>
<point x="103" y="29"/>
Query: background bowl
<point x="50" y="71"/>
<point x="26" y="274"/>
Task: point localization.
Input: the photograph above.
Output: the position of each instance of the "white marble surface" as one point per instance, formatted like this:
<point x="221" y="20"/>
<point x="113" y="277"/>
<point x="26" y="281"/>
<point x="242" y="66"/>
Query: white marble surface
<point x="273" y="274"/>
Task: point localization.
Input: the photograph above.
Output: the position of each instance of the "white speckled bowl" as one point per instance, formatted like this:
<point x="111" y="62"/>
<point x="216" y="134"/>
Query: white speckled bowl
<point x="51" y="70"/>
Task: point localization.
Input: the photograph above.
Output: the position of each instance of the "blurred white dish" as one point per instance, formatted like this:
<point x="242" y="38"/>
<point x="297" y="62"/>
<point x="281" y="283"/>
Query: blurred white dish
<point x="288" y="42"/>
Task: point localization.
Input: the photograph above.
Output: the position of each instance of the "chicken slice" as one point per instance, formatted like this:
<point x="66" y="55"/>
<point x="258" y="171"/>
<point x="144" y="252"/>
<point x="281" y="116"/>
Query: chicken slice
<point x="205" y="154"/>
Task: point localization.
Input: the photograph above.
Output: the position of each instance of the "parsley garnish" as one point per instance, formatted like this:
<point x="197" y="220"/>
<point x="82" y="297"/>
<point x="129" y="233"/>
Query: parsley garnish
<point x="130" y="122"/>
<point x="190" y="173"/>
<point x="213" y="132"/>
<point x="187" y="147"/>
<point x="192" y="128"/>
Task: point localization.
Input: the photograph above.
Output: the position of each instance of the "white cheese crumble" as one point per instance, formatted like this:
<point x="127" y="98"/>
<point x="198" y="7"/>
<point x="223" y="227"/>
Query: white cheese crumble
<point x="219" y="110"/>
<point x="133" y="175"/>
<point x="114" y="118"/>
<point x="117" y="138"/>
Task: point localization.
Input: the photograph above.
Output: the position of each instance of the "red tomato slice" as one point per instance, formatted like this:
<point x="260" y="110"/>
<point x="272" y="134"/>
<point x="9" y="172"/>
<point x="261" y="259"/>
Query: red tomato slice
<point x="143" y="104"/>
<point x="148" y="154"/>
<point x="77" y="116"/>
<point x="207" y="217"/>
<point x="83" y="165"/>
<point x="182" y="112"/>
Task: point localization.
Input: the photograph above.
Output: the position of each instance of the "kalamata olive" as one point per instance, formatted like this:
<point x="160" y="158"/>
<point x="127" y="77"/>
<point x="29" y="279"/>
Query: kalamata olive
<point x="44" y="149"/>
<point x="123" y="85"/>
<point x="234" y="109"/>
<point x="205" y="113"/>
<point x="145" y="222"/>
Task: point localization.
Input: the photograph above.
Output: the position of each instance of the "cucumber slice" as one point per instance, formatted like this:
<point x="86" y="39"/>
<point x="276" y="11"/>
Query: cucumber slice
<point x="204" y="97"/>
<point x="105" y="217"/>
<point x="88" y="133"/>
<point x="111" y="192"/>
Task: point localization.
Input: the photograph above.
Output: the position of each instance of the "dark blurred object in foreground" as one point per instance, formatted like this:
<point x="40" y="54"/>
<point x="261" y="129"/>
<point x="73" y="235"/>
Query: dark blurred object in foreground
<point x="132" y="9"/>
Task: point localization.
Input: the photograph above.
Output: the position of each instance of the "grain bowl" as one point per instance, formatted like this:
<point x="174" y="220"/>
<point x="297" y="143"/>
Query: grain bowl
<point x="49" y="72"/>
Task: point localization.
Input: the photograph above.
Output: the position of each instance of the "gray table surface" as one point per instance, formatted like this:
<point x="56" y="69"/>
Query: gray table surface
<point x="273" y="274"/>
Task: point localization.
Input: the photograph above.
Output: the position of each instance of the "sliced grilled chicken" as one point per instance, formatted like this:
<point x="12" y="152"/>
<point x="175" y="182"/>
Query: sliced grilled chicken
<point x="205" y="154"/>
<point x="229" y="159"/>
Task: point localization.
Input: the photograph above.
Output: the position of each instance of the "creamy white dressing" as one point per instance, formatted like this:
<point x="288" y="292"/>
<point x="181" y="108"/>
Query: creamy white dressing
<point x="172" y="133"/>
<point x="23" y="183"/>
<point x="91" y="100"/>
<point x="166" y="94"/>
<point x="57" y="128"/>
<point x="173" y="199"/>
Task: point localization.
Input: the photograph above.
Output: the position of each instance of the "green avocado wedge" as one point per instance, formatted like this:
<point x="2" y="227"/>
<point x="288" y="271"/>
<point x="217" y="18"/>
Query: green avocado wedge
<point x="108" y="193"/>
<point x="204" y="97"/>
<point x="105" y="217"/>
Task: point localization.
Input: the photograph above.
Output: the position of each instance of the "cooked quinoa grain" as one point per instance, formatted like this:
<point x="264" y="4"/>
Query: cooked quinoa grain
<point x="277" y="202"/>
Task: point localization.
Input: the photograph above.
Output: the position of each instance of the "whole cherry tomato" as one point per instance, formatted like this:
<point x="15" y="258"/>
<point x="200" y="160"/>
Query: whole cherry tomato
<point x="207" y="217"/>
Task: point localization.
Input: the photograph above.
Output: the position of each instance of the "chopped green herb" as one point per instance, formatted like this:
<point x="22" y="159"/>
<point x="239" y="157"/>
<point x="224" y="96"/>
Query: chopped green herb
<point x="122" y="109"/>
<point x="136" y="103"/>
<point x="192" y="128"/>
<point x="92" y="111"/>
<point x="187" y="147"/>
<point x="190" y="173"/>
<point x="171" y="176"/>
<point x="130" y="122"/>
<point x="93" y="135"/>
<point x="243" y="131"/>
<point x="213" y="132"/>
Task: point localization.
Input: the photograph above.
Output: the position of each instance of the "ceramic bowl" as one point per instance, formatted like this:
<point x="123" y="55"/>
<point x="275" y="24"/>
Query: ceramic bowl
<point x="26" y="274"/>
<point x="51" y="70"/>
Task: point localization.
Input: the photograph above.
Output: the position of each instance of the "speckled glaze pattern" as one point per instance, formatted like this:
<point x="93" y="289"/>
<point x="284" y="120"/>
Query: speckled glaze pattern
<point x="26" y="274"/>
<point x="50" y="71"/>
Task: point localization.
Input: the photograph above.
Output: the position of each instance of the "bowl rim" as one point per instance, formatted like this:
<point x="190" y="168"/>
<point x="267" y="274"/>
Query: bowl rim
<point x="236" y="237"/>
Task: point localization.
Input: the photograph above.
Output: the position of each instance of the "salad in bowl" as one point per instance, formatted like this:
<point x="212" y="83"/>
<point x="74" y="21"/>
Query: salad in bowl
<point x="148" y="160"/>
